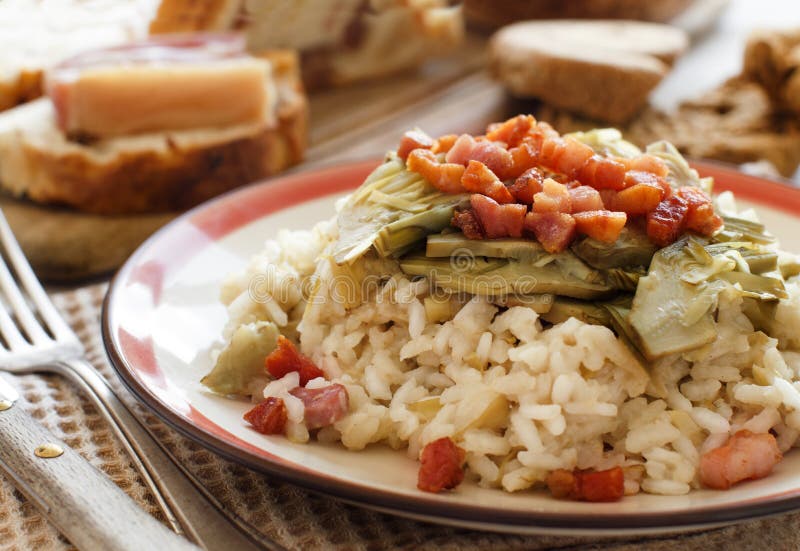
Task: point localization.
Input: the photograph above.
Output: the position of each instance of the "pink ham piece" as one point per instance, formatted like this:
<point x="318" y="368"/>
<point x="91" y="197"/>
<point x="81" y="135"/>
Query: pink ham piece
<point x="495" y="156"/>
<point x="498" y="220"/>
<point x="170" y="83"/>
<point x="324" y="406"/>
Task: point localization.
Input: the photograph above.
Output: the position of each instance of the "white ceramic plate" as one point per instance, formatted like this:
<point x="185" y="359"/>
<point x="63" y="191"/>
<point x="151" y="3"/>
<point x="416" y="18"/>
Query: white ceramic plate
<point x="162" y="315"/>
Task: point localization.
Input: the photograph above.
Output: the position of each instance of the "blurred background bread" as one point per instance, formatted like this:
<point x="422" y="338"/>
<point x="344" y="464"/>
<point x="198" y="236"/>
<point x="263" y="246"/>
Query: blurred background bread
<point x="492" y="14"/>
<point x="339" y="42"/>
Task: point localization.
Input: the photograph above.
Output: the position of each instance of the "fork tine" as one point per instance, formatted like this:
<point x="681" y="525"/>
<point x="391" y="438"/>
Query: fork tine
<point x="17" y="302"/>
<point x="10" y="332"/>
<point x="31" y="284"/>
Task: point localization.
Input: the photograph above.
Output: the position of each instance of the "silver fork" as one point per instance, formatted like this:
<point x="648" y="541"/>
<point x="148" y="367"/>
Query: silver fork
<point x="40" y="340"/>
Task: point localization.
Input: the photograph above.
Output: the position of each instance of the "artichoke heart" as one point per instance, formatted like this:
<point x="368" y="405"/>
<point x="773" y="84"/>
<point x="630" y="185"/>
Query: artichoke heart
<point x="241" y="362"/>
<point x="632" y="248"/>
<point x="391" y="211"/>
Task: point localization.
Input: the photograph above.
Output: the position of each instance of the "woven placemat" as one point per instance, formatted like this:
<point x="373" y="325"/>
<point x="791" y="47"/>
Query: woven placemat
<point x="294" y="518"/>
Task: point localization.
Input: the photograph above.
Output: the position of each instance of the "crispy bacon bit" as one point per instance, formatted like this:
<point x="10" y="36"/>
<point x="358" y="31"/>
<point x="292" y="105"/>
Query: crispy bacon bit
<point x="594" y="486"/>
<point x="554" y="230"/>
<point x="479" y="179"/>
<point x="746" y="456"/>
<point x="603" y="173"/>
<point x="286" y="358"/>
<point x="443" y="144"/>
<point x="637" y="199"/>
<point x="527" y="185"/>
<point x="268" y="417"/>
<point x="701" y="216"/>
<point x="602" y="225"/>
<point x="647" y="163"/>
<point x="468" y="223"/>
<point x="666" y="222"/>
<point x="440" y="466"/>
<point x="512" y="131"/>
<point x="323" y="406"/>
<point x="583" y="198"/>
<point x="554" y="197"/>
<point x="525" y="156"/>
<point x="574" y="157"/>
<point x="411" y="140"/>
<point x="445" y="177"/>
<point x="495" y="156"/>
<point x="498" y="220"/>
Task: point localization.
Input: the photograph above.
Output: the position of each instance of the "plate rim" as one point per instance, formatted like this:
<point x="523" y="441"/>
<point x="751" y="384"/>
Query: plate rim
<point x="423" y="507"/>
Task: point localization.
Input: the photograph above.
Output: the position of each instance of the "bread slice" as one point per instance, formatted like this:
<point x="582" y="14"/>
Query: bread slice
<point x="496" y="13"/>
<point x="150" y="172"/>
<point x="37" y="34"/>
<point x="601" y="69"/>
<point x="340" y="42"/>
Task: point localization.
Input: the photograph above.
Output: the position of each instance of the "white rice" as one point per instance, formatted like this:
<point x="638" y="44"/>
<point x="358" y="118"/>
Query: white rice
<point x="521" y="400"/>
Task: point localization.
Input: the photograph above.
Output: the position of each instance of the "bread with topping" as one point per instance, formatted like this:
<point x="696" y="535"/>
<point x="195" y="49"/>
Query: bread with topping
<point x="153" y="171"/>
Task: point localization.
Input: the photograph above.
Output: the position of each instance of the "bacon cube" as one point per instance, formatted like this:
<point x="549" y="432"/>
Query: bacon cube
<point x="603" y="173"/>
<point x="603" y="225"/>
<point x="554" y="197"/>
<point x="440" y="466"/>
<point x="527" y="185"/>
<point x="666" y="223"/>
<point x="466" y="148"/>
<point x="286" y="359"/>
<point x="525" y="156"/>
<point x="554" y="230"/>
<point x="479" y="179"/>
<point x="411" y="140"/>
<point x="443" y="144"/>
<point x="268" y="417"/>
<point x="468" y="223"/>
<point x="512" y="131"/>
<point x="498" y="220"/>
<point x="445" y="177"/>
<point x="583" y="198"/>
<point x="637" y="199"/>
<point x="700" y="216"/>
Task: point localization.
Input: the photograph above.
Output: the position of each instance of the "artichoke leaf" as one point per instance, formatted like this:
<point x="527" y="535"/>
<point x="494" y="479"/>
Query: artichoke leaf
<point x="607" y="141"/>
<point x="241" y="362"/>
<point x="632" y="248"/>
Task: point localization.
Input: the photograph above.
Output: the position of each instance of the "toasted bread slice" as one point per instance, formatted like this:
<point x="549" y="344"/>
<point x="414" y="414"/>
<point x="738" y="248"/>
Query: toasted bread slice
<point x="149" y="172"/>
<point x="601" y="69"/>
<point x="494" y="13"/>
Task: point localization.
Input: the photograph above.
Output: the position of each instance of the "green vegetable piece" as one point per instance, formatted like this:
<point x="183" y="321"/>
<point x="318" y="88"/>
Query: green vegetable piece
<point x="391" y="211"/>
<point x="632" y="248"/>
<point x="242" y="361"/>
<point x="757" y="286"/>
<point x="607" y="141"/>
<point x="446" y="245"/>
<point x="739" y="229"/>
<point x="588" y="312"/>
<point x="499" y="278"/>
<point x="660" y="308"/>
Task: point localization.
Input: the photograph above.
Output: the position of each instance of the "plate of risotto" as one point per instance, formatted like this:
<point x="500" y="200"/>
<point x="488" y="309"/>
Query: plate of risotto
<point x="516" y="331"/>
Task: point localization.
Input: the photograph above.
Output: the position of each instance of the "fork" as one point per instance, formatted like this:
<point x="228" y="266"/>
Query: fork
<point x="38" y="339"/>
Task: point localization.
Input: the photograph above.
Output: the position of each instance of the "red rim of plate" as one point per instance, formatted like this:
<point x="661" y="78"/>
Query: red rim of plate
<point x="135" y="362"/>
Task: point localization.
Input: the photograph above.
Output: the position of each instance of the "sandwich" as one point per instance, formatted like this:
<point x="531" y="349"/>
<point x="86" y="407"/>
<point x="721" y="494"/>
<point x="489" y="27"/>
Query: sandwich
<point x="155" y="125"/>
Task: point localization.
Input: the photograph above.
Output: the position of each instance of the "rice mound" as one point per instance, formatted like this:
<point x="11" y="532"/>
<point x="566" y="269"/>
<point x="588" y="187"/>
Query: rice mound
<point x="520" y="398"/>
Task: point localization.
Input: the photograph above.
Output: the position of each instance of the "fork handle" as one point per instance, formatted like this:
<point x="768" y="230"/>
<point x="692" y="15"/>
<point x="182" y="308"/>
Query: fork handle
<point x="199" y="513"/>
<point x="81" y="501"/>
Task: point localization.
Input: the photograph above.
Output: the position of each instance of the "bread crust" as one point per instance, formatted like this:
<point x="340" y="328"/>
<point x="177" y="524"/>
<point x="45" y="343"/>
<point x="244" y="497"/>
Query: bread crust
<point x="183" y="16"/>
<point x="26" y="87"/>
<point x="491" y="14"/>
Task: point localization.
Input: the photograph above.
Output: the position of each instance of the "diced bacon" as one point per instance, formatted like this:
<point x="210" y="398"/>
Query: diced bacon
<point x="554" y="230"/>
<point x="323" y="406"/>
<point x="594" y="486"/>
<point x="607" y="196"/>
<point x="525" y="156"/>
<point x="512" y="131"/>
<point x="647" y="163"/>
<point x="466" y="148"/>
<point x="551" y="152"/>
<point x="603" y="225"/>
<point x="444" y="143"/>
<point x="440" y="466"/>
<point x="633" y="177"/>
<point x="603" y="173"/>
<point x="411" y="140"/>
<point x="479" y="179"/>
<point x="286" y="359"/>
<point x="268" y="417"/>
<point x="583" y="198"/>
<point x="468" y="223"/>
<point x="637" y="199"/>
<point x="666" y="223"/>
<point x="498" y="220"/>
<point x="746" y="456"/>
<point x="575" y="156"/>
<point x="445" y="177"/>
<point x="554" y="197"/>
<point x="700" y="216"/>
<point x="527" y="185"/>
